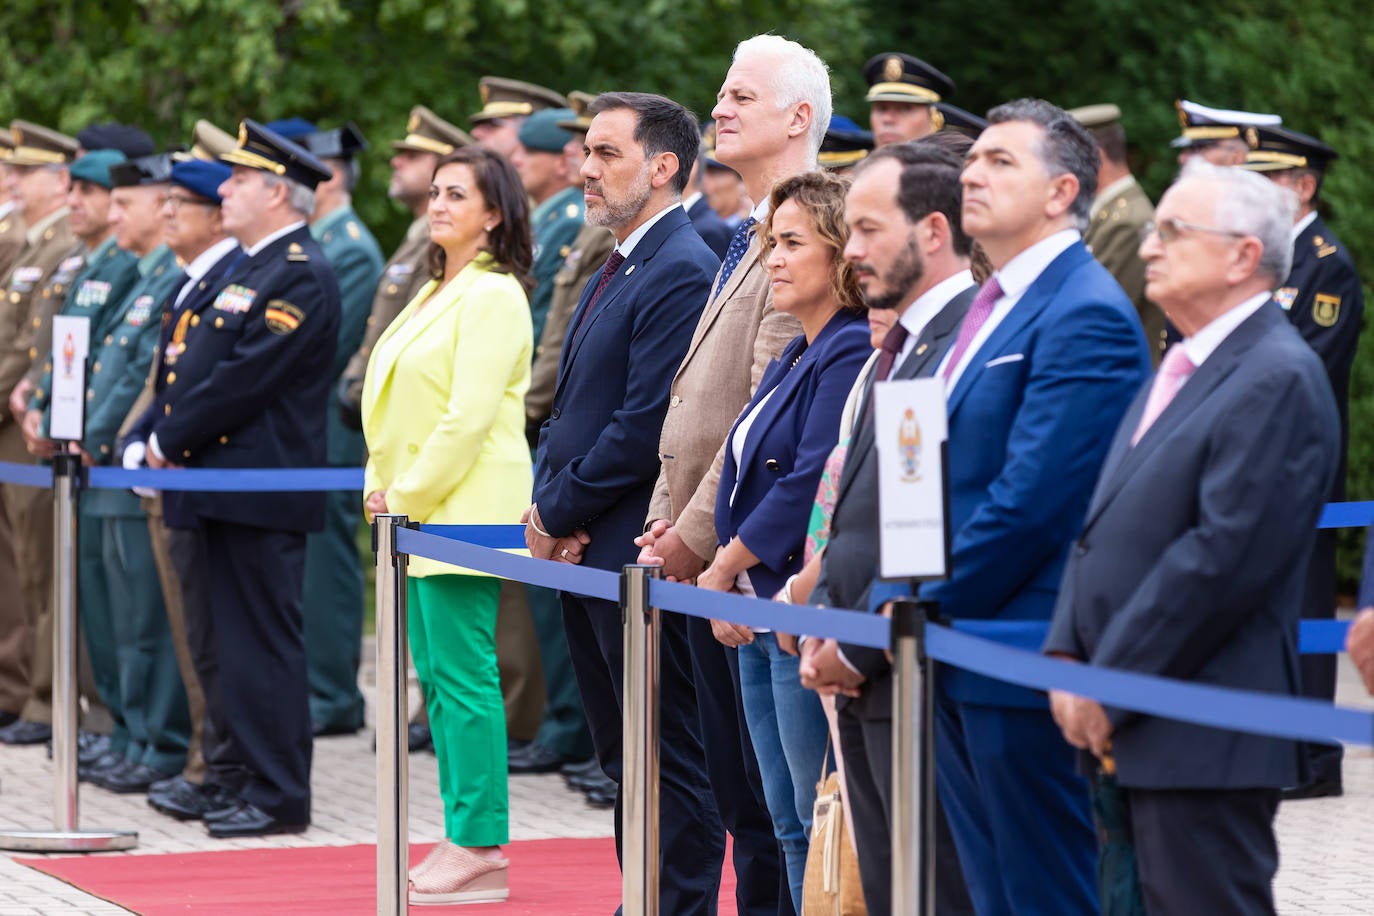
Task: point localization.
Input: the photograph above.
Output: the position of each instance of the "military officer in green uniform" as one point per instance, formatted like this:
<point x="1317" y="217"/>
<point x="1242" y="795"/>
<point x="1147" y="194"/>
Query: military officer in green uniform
<point x="1120" y="211"/>
<point x="333" y="598"/>
<point x="11" y="220"/>
<point x="94" y="275"/>
<point x="152" y="698"/>
<point x="1325" y="302"/>
<point x="40" y="160"/>
<point x="506" y="103"/>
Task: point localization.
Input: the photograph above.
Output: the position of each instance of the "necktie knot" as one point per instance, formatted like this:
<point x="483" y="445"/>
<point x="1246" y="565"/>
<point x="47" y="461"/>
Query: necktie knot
<point x="891" y="347"/>
<point x="1176" y="363"/>
<point x="739" y="244"/>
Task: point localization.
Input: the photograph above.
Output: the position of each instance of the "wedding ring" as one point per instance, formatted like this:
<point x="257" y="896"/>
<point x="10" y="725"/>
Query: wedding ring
<point x="565" y="553"/>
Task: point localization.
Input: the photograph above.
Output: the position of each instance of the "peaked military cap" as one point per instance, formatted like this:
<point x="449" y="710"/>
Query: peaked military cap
<point x="154" y="169"/>
<point x="95" y="167"/>
<point x="845" y="143"/>
<point x="426" y="132"/>
<point x="38" y="145"/>
<point x="897" y="77"/>
<point x="953" y="118"/>
<point x="268" y="151"/>
<point x="581" y="121"/>
<point x="1095" y="116"/>
<point x="6" y="146"/>
<point x="129" y="140"/>
<point x="201" y="177"/>
<point x="1201" y="124"/>
<point x="208" y="143"/>
<point x="1280" y="148"/>
<point x="506" y="98"/>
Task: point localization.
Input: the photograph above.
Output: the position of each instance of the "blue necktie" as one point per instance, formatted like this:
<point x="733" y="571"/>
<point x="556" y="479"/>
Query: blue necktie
<point x="739" y="244"/>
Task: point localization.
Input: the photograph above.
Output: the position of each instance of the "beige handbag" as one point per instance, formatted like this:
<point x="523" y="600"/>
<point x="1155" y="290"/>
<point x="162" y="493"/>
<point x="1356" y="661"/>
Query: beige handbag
<point x="831" y="886"/>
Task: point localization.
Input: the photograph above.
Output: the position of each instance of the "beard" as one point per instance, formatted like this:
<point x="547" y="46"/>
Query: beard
<point x="615" y="212"/>
<point x="898" y="281"/>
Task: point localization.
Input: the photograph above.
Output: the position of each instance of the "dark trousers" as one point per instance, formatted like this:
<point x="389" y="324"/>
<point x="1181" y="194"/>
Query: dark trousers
<point x="1019" y="812"/>
<point x="865" y="727"/>
<point x="333" y="606"/>
<point x="564" y="727"/>
<point x="760" y="880"/>
<point x="242" y="592"/>
<point x="1319" y="671"/>
<point x="1207" y="851"/>
<point x="690" y="838"/>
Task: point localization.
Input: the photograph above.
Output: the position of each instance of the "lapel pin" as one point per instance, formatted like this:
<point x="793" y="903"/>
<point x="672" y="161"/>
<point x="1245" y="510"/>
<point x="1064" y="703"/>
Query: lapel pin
<point x="629" y="270"/>
<point x="921" y="349"/>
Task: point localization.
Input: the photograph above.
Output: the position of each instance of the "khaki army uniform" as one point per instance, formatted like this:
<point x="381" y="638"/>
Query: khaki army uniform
<point x="26" y="521"/>
<point x="12" y="236"/>
<point x="1113" y="236"/>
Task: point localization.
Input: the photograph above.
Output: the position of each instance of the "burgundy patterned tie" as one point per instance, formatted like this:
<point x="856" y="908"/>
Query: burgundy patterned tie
<point x="977" y="316"/>
<point x="892" y="346"/>
<point x="612" y="265"/>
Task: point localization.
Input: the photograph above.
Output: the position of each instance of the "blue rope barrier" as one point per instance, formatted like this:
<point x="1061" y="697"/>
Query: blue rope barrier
<point x="830" y="623"/>
<point x="226" y="480"/>
<point x="1315" y="637"/>
<point x="1347" y="515"/>
<point x="26" y="475"/>
<point x="596" y="583"/>
<point x="497" y="537"/>
<point x="1218" y="707"/>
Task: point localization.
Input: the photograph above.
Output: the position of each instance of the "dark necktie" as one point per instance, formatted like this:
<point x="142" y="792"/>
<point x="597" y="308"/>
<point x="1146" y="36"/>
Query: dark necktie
<point x="890" y="350"/>
<point x="612" y="265"/>
<point x="739" y="244"/>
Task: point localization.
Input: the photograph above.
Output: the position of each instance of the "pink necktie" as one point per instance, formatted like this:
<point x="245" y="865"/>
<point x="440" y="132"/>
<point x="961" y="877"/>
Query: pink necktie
<point x="1173" y="372"/>
<point x="977" y="316"/>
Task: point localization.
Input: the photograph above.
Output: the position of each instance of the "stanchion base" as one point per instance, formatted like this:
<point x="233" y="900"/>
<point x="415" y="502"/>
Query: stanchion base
<point x="68" y="841"/>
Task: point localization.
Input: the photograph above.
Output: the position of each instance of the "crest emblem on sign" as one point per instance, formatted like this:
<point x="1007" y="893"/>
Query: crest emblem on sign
<point x="68" y="355"/>
<point x="892" y="69"/>
<point x="909" y="446"/>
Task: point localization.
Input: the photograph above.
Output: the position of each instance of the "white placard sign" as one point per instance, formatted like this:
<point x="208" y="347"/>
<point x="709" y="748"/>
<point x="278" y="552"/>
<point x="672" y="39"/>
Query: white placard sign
<point x="70" y="344"/>
<point x="910" y="428"/>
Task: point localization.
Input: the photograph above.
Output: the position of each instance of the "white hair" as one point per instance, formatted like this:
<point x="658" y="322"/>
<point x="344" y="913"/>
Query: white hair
<point x="298" y="196"/>
<point x="1251" y="204"/>
<point x="800" y="76"/>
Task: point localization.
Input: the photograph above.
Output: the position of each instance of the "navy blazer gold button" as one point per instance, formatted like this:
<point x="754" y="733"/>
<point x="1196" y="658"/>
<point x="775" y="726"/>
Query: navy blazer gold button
<point x="772" y="464"/>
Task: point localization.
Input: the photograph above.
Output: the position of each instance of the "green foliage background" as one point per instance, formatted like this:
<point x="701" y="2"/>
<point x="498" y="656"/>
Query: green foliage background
<point x="164" y="63"/>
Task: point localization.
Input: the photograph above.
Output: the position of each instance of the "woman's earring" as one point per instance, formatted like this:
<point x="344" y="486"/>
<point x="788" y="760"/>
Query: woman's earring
<point x="488" y="228"/>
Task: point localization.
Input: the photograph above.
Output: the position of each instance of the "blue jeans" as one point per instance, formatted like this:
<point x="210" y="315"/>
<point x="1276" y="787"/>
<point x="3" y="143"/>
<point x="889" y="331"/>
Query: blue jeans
<point x="788" y="728"/>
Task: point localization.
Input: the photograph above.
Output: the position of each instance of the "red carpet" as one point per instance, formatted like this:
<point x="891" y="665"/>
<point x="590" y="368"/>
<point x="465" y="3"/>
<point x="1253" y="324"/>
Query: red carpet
<point x="566" y="877"/>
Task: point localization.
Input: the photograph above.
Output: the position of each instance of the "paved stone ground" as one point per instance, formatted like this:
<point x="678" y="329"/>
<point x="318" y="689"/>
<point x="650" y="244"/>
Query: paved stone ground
<point x="1326" y="845"/>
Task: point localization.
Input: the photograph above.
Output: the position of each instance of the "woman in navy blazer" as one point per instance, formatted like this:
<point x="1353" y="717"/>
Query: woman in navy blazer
<point x="773" y="463"/>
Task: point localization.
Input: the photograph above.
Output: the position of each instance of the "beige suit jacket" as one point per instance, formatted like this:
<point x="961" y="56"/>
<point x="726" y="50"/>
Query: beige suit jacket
<point x="738" y="335"/>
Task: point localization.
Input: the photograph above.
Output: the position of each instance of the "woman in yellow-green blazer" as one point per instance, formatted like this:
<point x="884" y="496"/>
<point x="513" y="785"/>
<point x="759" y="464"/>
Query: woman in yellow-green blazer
<point x="443" y="414"/>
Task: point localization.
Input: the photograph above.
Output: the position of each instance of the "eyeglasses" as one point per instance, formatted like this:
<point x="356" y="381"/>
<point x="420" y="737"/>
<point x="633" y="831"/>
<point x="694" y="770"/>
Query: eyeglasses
<point x="175" y="201"/>
<point x="1169" y="230"/>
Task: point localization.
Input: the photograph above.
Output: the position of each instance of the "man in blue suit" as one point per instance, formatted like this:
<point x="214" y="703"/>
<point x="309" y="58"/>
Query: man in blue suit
<point x="598" y="460"/>
<point x="1193" y="556"/>
<point x="1044" y="365"/>
<point x="712" y="229"/>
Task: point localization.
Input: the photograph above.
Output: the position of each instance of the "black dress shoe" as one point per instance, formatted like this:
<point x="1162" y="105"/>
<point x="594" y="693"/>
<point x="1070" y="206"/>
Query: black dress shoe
<point x="579" y="769"/>
<point x="418" y="738"/>
<point x="187" y="801"/>
<point x="99" y="768"/>
<point x="250" y="820"/>
<point x="536" y="759"/>
<point x="136" y="778"/>
<point x="592" y="779"/>
<point x="603" y="797"/>
<point x="1318" y="788"/>
<point x="22" y="731"/>
<point x="91" y="746"/>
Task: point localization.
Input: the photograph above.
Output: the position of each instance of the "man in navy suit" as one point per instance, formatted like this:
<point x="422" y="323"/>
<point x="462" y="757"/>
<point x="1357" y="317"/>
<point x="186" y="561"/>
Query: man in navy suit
<point x="246" y="385"/>
<point x="1192" y="559"/>
<point x="598" y="461"/>
<point x="911" y="256"/>
<point x="1044" y="365"/>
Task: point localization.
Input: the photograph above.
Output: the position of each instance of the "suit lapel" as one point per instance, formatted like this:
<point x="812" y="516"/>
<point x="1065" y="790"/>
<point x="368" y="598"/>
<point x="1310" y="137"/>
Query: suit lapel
<point x="1037" y="296"/>
<point x="1124" y="459"/>
<point x="716" y="303"/>
<point x="782" y="393"/>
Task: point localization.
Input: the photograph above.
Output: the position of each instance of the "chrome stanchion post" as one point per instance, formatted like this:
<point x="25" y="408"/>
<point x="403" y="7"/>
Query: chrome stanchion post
<point x="393" y="752"/>
<point x="913" y="765"/>
<point x="639" y="777"/>
<point x="66" y="835"/>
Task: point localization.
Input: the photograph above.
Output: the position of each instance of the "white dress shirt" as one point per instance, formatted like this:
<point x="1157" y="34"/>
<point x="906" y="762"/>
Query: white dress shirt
<point x="200" y="265"/>
<point x="1202" y="344"/>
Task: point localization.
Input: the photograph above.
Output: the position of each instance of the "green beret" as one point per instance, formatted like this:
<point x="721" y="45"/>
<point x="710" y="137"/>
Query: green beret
<point x="541" y="132"/>
<point x="95" y="167"/>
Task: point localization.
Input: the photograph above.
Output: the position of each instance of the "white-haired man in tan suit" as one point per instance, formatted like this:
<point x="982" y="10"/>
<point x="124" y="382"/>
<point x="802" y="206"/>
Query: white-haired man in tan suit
<point x="771" y="114"/>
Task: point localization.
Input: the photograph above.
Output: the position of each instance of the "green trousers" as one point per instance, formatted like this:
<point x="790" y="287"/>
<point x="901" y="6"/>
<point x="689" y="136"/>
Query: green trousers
<point x="452" y="628"/>
<point x="333" y="609"/>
